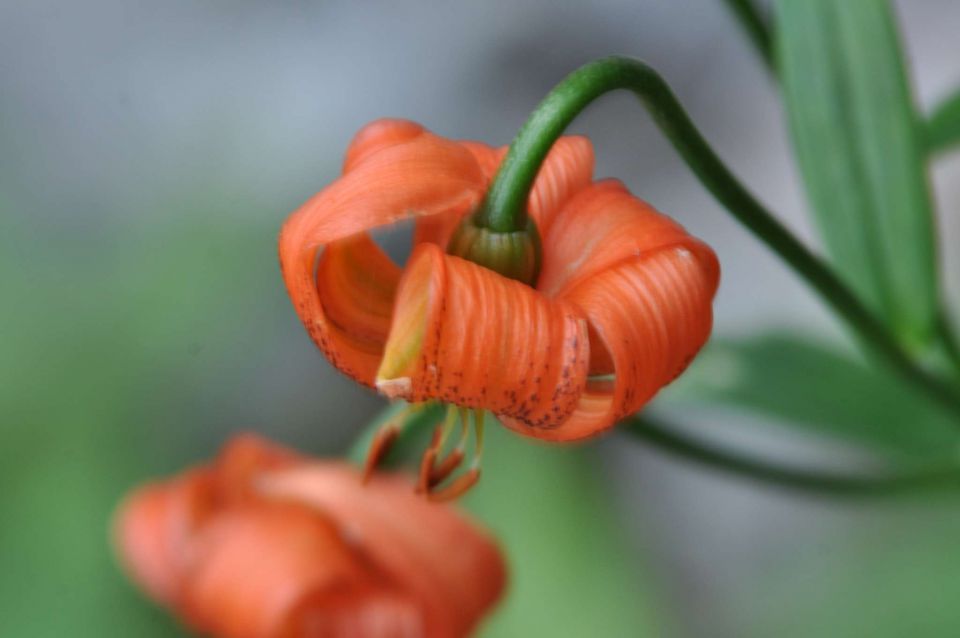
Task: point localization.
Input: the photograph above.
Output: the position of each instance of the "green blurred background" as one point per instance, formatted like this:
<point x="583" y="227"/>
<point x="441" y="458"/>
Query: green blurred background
<point x="148" y="155"/>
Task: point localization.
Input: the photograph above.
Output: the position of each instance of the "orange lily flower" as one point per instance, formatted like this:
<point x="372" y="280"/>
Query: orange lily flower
<point x="624" y="291"/>
<point x="262" y="543"/>
<point x="621" y="306"/>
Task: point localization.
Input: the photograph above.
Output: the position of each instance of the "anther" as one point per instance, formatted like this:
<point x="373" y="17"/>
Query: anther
<point x="384" y="439"/>
<point x="458" y="487"/>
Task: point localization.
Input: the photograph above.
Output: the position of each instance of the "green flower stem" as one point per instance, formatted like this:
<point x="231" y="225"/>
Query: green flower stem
<point x="666" y="439"/>
<point x="504" y="209"/>
<point x="757" y="28"/>
<point x="655" y="434"/>
<point x="948" y="342"/>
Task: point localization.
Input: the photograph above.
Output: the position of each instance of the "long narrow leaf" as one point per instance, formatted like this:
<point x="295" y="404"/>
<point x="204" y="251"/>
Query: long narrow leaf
<point x="809" y="386"/>
<point x="861" y="153"/>
<point x="943" y="126"/>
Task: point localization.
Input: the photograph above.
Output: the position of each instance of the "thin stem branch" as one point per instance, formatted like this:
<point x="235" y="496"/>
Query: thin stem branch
<point x="757" y="28"/>
<point x="504" y="208"/>
<point x="666" y="439"/>
<point x="948" y="341"/>
<point x="656" y="434"/>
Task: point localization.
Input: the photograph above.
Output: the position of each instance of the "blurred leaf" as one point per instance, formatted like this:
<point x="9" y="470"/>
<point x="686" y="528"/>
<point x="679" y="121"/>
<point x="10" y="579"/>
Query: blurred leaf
<point x="813" y="387"/>
<point x="101" y="325"/>
<point x="943" y="125"/>
<point x="897" y="580"/>
<point x="861" y="153"/>
<point x="571" y="569"/>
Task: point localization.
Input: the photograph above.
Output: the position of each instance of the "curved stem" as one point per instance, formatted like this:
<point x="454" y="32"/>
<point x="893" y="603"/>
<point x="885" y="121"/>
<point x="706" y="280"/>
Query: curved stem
<point x="948" y="341"/>
<point x="757" y="28"/>
<point x="504" y="208"/>
<point x="656" y="434"/>
<point x="667" y="439"/>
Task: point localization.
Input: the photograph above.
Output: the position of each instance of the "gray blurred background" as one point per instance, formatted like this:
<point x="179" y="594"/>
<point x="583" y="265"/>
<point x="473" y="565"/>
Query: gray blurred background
<point x="149" y="153"/>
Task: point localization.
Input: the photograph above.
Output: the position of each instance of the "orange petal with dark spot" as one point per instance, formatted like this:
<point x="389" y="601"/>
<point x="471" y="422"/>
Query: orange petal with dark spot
<point x="646" y="288"/>
<point x="466" y="335"/>
<point x="396" y="170"/>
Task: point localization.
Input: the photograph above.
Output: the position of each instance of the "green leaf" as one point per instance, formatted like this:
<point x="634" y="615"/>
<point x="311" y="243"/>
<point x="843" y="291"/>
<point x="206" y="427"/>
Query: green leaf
<point x="896" y="577"/>
<point x="861" y="154"/>
<point x="943" y="125"/>
<point x="810" y="386"/>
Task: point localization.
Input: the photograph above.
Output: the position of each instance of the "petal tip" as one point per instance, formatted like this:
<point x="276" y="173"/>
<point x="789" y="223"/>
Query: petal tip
<point x="398" y="388"/>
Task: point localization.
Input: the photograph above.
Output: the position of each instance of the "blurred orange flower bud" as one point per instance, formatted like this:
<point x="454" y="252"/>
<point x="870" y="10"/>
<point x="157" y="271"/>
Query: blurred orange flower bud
<point x="263" y="543"/>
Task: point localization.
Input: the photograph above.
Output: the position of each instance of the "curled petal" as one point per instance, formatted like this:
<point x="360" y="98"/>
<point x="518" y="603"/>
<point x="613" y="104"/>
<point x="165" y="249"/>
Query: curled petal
<point x="395" y="171"/>
<point x="437" y="229"/>
<point x="488" y="157"/>
<point x="264" y="544"/>
<point x="466" y="335"/>
<point x="278" y="569"/>
<point x="646" y="289"/>
<point x="601" y="226"/>
<point x="356" y="283"/>
<point x="153" y="529"/>
<point x="567" y="169"/>
<point x="440" y="558"/>
<point x="240" y="463"/>
<point x="378" y="135"/>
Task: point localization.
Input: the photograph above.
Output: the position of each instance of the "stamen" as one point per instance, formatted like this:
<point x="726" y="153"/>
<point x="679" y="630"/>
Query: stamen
<point x="383" y="440"/>
<point x="440" y="471"/>
<point x="479" y="420"/>
<point x="434" y="470"/>
<point x="445" y="468"/>
<point x="468" y="479"/>
<point x="427" y="461"/>
<point x="458" y="487"/>
<point x="448" y="422"/>
<point x="386" y="436"/>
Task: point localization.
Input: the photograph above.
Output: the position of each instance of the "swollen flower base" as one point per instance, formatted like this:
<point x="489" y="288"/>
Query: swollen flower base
<point x="262" y="543"/>
<point x="621" y="304"/>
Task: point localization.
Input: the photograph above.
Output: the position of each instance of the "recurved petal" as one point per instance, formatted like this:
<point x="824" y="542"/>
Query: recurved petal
<point x="430" y="552"/>
<point x="437" y="229"/>
<point x="153" y="529"/>
<point x="567" y="169"/>
<point x="378" y="135"/>
<point x="241" y="461"/>
<point x="395" y="172"/>
<point x="646" y="289"/>
<point x="466" y="335"/>
<point x="279" y="569"/>
<point x="600" y="226"/>
<point x="488" y="157"/>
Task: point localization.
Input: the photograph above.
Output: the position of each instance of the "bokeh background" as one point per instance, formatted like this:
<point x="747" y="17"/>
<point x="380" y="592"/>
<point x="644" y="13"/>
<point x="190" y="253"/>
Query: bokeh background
<point x="149" y="153"/>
